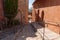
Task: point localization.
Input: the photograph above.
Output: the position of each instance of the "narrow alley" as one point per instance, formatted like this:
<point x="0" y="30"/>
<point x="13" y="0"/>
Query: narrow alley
<point x="29" y="33"/>
<point x="26" y="34"/>
<point x="29" y="19"/>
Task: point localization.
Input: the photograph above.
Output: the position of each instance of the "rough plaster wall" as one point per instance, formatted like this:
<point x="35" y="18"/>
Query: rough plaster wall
<point x="51" y="10"/>
<point x="33" y="15"/>
<point x="22" y="10"/>
<point x="52" y="16"/>
<point x="1" y="8"/>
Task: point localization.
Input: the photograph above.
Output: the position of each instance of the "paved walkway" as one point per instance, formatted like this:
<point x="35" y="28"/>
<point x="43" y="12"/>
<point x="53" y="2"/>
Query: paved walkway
<point x="8" y="34"/>
<point x="28" y="34"/>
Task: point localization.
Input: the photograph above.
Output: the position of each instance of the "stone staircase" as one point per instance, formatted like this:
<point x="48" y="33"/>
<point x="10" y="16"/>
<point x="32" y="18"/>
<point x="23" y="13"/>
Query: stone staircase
<point x="45" y="33"/>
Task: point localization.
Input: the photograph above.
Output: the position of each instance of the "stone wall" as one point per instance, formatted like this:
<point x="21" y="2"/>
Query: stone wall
<point x="1" y="7"/>
<point x="22" y="11"/>
<point x="51" y="10"/>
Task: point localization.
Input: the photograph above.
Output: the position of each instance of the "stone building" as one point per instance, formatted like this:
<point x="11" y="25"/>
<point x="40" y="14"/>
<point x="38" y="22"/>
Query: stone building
<point x="22" y="10"/>
<point x="1" y="9"/>
<point x="48" y="11"/>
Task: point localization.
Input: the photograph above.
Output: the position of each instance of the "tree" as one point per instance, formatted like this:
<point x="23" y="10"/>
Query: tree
<point x="10" y="9"/>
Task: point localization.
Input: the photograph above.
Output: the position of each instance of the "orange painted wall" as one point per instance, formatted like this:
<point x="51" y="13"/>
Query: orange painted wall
<point x="22" y="11"/>
<point x="1" y="7"/>
<point x="51" y="10"/>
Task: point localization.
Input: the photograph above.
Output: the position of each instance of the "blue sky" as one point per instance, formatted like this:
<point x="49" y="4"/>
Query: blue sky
<point x="30" y="3"/>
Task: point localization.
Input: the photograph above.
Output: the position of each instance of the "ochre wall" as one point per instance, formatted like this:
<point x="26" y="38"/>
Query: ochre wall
<point x="33" y="15"/>
<point x="22" y="11"/>
<point x="51" y="10"/>
<point x="1" y="7"/>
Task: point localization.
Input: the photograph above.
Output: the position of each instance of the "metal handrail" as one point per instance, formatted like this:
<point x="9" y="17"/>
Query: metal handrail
<point x="53" y="23"/>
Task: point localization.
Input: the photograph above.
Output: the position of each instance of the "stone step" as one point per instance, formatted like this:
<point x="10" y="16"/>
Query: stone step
<point x="48" y="34"/>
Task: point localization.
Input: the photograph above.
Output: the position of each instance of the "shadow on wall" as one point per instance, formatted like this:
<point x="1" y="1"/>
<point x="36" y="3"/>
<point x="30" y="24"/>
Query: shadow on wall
<point x="37" y="17"/>
<point x="40" y="19"/>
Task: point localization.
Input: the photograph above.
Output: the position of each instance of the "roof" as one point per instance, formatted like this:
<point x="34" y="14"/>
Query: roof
<point x="38" y="1"/>
<point x="35" y="1"/>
